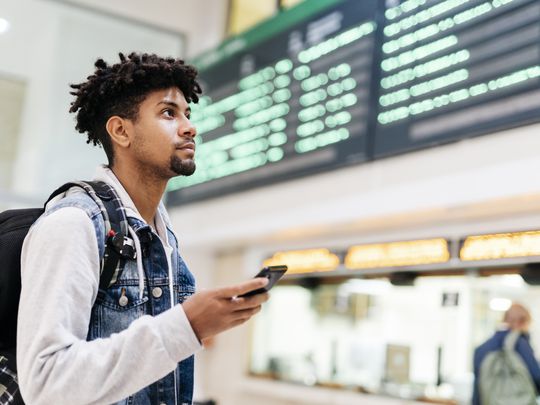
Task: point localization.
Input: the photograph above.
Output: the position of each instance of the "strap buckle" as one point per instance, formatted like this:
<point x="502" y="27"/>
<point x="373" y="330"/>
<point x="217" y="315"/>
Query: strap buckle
<point x="123" y="245"/>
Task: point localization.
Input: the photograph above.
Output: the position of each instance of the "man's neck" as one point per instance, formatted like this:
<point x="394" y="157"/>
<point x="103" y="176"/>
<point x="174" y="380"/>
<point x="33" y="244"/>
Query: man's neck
<point x="145" y="191"/>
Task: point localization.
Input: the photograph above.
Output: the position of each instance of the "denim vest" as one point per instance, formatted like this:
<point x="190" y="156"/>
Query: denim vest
<point x="121" y="304"/>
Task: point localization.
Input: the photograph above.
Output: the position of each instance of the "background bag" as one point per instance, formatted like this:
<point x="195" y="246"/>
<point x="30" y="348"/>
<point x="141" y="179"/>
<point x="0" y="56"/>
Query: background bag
<point x="504" y="378"/>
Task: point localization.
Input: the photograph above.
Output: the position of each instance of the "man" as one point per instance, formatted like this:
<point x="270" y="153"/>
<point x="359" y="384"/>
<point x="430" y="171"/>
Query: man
<point x="134" y="342"/>
<point x="516" y="318"/>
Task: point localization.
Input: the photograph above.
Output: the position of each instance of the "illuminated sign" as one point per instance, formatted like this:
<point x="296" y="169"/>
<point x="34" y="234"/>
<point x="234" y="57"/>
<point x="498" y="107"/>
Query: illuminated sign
<point x="411" y="253"/>
<point x="395" y="254"/>
<point x="501" y="246"/>
<point x="305" y="261"/>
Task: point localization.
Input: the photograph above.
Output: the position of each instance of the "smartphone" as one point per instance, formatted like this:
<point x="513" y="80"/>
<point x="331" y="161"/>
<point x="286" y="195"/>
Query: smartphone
<point x="273" y="274"/>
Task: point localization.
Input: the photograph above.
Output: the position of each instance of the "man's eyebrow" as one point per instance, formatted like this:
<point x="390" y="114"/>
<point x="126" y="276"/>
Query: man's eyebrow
<point x="169" y="103"/>
<point x="174" y="105"/>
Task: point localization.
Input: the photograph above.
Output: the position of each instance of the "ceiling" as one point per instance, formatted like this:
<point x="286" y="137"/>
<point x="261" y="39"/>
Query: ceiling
<point x="203" y="22"/>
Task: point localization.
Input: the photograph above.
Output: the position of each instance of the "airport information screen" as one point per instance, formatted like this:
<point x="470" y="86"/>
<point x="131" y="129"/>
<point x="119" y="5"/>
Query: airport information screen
<point x="317" y="89"/>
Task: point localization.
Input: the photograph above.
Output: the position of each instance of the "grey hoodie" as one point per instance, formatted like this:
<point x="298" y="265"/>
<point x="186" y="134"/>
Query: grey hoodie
<point x="60" y="276"/>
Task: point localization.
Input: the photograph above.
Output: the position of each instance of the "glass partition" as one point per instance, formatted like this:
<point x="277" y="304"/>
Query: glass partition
<point x="412" y="342"/>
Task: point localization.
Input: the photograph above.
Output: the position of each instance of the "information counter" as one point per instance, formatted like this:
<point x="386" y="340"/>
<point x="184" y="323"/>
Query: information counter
<point x="395" y="319"/>
<point x="287" y="394"/>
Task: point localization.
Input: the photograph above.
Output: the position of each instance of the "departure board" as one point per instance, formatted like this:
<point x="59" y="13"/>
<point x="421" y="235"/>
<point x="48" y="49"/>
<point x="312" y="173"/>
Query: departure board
<point x="456" y="68"/>
<point x="294" y="104"/>
<point x="353" y="81"/>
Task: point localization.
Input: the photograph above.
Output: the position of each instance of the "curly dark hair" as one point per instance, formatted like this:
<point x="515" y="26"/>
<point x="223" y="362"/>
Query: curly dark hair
<point x="119" y="89"/>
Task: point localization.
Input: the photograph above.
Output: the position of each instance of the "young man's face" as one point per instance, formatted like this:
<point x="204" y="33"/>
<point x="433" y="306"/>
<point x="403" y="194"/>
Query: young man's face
<point x="163" y="135"/>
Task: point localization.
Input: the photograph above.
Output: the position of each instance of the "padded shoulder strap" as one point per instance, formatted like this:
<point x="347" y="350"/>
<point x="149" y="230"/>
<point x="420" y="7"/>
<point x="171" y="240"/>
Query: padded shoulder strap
<point x="107" y="200"/>
<point x="118" y="244"/>
<point x="510" y="340"/>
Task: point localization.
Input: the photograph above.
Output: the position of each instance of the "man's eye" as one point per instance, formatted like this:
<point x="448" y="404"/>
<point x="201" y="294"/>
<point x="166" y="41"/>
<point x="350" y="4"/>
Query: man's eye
<point x="168" y="112"/>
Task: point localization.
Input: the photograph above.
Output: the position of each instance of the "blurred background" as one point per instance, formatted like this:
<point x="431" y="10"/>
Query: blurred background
<point x="387" y="151"/>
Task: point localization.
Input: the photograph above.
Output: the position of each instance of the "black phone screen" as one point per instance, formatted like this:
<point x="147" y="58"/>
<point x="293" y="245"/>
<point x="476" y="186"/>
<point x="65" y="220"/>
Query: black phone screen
<point x="273" y="274"/>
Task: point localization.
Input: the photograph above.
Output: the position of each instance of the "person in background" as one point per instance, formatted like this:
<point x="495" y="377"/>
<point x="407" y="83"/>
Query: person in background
<point x="132" y="342"/>
<point x="517" y="318"/>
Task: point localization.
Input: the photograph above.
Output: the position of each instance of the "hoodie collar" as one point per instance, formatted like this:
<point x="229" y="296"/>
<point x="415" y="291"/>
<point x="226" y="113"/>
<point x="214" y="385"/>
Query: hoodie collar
<point x="105" y="174"/>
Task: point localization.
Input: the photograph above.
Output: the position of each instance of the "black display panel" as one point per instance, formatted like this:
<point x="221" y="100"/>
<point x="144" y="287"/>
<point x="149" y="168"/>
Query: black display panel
<point x="456" y="68"/>
<point x="360" y="80"/>
<point x="292" y="105"/>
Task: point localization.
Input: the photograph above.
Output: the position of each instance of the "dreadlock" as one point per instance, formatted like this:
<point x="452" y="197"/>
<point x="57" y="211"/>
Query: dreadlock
<point x="119" y="89"/>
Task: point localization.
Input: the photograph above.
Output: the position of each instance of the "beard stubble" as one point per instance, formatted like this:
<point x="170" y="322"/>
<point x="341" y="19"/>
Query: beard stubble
<point x="182" y="167"/>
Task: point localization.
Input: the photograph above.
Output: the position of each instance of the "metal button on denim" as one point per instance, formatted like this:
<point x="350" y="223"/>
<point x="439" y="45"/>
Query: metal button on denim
<point x="123" y="301"/>
<point x="157" y="292"/>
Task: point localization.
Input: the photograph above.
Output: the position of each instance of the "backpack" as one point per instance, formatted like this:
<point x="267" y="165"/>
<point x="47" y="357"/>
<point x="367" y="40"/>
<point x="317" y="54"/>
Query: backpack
<point x="14" y="226"/>
<point x="504" y="379"/>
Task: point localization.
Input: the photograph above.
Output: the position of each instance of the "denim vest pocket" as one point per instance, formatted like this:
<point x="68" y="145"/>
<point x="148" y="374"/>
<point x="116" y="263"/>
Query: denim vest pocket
<point x="118" y="307"/>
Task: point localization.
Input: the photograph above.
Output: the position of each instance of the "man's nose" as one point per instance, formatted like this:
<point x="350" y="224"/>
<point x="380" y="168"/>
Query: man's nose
<point x="188" y="130"/>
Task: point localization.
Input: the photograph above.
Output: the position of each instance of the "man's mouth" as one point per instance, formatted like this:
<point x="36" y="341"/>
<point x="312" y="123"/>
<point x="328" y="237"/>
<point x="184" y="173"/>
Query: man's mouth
<point x="187" y="146"/>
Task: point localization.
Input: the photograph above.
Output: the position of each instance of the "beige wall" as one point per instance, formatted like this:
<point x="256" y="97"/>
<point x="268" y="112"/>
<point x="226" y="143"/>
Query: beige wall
<point x="489" y="177"/>
<point x="222" y="367"/>
<point x="486" y="184"/>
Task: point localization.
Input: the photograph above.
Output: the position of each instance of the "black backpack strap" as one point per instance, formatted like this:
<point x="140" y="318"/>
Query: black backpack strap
<point x="118" y="244"/>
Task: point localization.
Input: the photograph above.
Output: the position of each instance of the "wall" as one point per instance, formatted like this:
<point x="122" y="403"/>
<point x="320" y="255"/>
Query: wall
<point x="485" y="184"/>
<point x="491" y="176"/>
<point x="46" y="50"/>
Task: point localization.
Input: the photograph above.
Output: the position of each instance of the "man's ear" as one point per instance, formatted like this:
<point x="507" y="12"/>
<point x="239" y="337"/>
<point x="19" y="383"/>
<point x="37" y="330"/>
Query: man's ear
<point x="119" y="130"/>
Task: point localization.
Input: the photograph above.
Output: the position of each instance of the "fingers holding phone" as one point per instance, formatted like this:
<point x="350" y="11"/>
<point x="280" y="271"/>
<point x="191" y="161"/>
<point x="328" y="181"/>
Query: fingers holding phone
<point x="244" y="302"/>
<point x="213" y="311"/>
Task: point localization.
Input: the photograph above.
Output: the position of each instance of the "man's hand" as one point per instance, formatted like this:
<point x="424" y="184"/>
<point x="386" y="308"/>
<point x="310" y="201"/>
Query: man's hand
<point x="213" y="311"/>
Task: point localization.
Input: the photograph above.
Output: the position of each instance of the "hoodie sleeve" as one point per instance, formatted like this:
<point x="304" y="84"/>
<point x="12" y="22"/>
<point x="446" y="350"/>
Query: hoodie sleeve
<point x="60" y="276"/>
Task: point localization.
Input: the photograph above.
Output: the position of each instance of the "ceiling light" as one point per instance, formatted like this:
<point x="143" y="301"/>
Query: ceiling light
<point x="500" y="304"/>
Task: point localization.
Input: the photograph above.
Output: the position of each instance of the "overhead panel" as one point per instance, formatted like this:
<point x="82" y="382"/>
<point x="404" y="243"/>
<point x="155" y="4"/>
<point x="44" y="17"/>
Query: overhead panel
<point x="331" y="84"/>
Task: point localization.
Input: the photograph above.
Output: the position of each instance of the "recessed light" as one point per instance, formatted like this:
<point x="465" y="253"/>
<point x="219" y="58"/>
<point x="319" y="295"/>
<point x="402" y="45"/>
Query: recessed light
<point x="500" y="304"/>
<point x="4" y="25"/>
